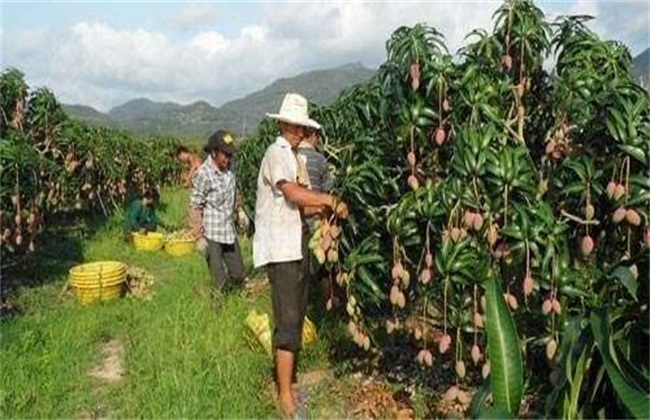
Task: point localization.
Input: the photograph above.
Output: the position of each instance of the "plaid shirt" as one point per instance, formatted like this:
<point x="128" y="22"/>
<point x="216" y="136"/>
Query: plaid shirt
<point x="213" y="192"/>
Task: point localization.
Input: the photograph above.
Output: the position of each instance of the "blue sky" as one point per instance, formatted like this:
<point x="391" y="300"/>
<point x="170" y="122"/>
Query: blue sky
<point x="102" y="53"/>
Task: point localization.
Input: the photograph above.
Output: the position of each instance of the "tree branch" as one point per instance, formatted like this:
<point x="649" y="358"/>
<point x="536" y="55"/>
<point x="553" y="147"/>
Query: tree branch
<point x="579" y="220"/>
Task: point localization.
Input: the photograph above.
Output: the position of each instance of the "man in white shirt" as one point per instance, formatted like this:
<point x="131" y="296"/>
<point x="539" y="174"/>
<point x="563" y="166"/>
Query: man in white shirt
<point x="280" y="242"/>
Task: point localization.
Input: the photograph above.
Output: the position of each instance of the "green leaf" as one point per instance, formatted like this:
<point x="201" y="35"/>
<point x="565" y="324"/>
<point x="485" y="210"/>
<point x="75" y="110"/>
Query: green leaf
<point x="616" y="127"/>
<point x="372" y="285"/>
<point x="636" y="152"/>
<point x="572" y="399"/>
<point x="505" y="355"/>
<point x="575" y="187"/>
<point x="513" y="231"/>
<point x="635" y="399"/>
<point x="496" y="413"/>
<point x="625" y="276"/>
<point x="479" y="405"/>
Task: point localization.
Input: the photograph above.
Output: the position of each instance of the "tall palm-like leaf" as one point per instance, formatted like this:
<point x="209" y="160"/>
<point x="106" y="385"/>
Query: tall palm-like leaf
<point x="506" y="373"/>
<point x="635" y="397"/>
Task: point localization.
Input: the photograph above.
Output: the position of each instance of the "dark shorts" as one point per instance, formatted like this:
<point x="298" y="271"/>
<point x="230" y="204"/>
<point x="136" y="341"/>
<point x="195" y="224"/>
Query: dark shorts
<point x="289" y="293"/>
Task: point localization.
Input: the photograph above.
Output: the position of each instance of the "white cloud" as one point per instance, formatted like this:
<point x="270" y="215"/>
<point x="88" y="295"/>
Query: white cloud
<point x="195" y="15"/>
<point x="254" y="32"/>
<point x="584" y="7"/>
<point x="358" y="30"/>
<point x="100" y="65"/>
<point x="102" y="52"/>
<point x="209" y="42"/>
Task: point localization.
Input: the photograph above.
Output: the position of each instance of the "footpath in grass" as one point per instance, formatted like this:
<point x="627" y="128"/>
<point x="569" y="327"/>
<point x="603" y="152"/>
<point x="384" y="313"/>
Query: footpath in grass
<point x="171" y="356"/>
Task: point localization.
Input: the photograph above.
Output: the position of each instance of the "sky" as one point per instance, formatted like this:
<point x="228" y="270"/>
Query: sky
<point x="104" y="53"/>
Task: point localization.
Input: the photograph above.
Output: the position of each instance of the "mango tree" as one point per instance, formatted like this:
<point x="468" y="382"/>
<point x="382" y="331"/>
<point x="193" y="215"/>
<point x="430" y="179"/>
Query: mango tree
<point x="499" y="212"/>
<point x="52" y="164"/>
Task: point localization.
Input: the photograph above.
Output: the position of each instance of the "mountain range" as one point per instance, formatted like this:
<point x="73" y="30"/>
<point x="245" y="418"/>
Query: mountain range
<point x="241" y="116"/>
<point x="642" y="68"/>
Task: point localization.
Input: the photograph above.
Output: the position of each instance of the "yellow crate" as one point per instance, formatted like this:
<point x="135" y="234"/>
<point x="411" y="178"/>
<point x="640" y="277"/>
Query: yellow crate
<point x="151" y="241"/>
<point x="98" y="282"/>
<point x="94" y="268"/>
<point x="102" y="280"/>
<point x="178" y="247"/>
<point x="85" y="295"/>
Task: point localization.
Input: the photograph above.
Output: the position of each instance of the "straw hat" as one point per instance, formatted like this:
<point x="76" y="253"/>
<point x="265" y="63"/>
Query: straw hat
<point x="294" y="111"/>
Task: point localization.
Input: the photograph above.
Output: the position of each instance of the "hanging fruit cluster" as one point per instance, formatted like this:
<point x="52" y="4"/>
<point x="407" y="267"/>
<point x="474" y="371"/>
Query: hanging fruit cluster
<point x="324" y="242"/>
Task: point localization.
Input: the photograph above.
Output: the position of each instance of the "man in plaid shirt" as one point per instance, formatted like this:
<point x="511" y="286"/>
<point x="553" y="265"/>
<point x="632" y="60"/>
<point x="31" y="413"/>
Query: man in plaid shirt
<point x="212" y="210"/>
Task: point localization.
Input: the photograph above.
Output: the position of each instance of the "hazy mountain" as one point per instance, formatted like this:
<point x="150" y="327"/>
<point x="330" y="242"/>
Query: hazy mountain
<point x="642" y="68"/>
<point x="89" y="114"/>
<point x="320" y="86"/>
<point x="200" y="118"/>
<point x="194" y="119"/>
<point x="140" y="108"/>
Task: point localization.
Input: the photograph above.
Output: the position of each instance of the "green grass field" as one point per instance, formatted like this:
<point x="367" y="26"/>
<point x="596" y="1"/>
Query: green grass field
<point x="181" y="357"/>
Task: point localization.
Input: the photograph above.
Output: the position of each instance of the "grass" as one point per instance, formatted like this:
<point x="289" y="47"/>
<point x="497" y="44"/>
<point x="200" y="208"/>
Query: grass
<point x="181" y="357"/>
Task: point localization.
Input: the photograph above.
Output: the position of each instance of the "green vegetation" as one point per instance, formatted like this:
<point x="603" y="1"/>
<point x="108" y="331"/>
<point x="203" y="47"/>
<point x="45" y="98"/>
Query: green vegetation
<point x="498" y="219"/>
<point x="52" y="165"/>
<point x="180" y="357"/>
<point x="462" y="172"/>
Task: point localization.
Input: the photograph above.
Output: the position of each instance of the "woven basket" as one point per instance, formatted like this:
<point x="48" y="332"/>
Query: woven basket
<point x="151" y="241"/>
<point x="102" y="280"/>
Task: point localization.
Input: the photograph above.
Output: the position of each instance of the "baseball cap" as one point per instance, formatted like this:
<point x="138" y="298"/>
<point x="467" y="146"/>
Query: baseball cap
<point x="220" y="140"/>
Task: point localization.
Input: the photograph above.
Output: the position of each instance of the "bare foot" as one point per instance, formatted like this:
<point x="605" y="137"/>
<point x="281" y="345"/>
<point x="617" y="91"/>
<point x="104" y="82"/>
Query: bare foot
<point x="287" y="405"/>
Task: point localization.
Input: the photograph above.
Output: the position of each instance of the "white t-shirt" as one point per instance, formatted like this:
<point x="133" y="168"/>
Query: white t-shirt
<point x="278" y="227"/>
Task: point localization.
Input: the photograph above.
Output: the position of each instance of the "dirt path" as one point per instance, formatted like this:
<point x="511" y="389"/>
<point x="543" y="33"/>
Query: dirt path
<point x="111" y="369"/>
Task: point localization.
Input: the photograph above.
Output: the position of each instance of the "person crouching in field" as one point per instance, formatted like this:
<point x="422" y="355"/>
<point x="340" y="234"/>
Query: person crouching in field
<point x="192" y="160"/>
<point x="212" y="209"/>
<point x="141" y="214"/>
<point x="280" y="241"/>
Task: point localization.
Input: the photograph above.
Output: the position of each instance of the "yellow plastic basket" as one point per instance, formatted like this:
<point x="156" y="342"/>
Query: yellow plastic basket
<point x="91" y="270"/>
<point x="259" y="332"/>
<point x="105" y="281"/>
<point x="86" y="296"/>
<point x="178" y="247"/>
<point x="151" y="241"/>
<point x="102" y="280"/>
<point x="309" y="333"/>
